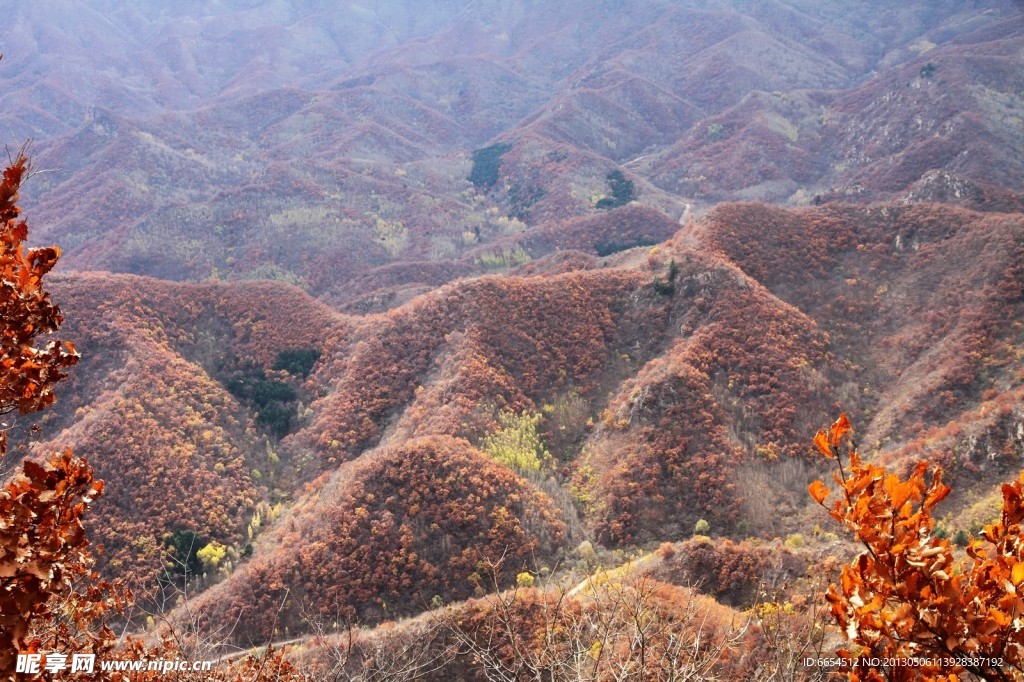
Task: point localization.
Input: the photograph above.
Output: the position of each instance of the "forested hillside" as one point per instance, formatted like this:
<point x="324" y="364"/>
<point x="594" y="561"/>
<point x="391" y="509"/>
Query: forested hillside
<point x="384" y="311"/>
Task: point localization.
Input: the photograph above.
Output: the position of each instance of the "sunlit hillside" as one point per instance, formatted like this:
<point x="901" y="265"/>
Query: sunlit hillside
<point x="447" y="321"/>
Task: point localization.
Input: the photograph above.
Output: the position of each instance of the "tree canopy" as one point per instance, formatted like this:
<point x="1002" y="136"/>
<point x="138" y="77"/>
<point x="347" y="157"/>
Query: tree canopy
<point x="910" y="608"/>
<point x="28" y="371"/>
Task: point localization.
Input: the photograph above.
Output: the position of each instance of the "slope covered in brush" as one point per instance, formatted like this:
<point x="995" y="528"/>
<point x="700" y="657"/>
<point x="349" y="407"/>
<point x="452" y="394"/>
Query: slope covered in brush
<point x="430" y="519"/>
<point x="670" y="384"/>
<point x="922" y="302"/>
<point x="152" y="409"/>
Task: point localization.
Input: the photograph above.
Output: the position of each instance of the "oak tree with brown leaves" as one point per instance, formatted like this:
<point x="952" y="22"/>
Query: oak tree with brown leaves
<point x="28" y="372"/>
<point x="910" y="608"/>
<point x="43" y="552"/>
<point x="41" y="536"/>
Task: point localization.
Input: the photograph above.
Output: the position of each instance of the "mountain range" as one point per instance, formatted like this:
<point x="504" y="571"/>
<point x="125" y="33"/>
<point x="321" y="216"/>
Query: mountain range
<point x="319" y="256"/>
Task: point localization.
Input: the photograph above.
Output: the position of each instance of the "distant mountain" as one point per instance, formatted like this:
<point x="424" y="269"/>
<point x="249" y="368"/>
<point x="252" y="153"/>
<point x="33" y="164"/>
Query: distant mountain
<point x="312" y="143"/>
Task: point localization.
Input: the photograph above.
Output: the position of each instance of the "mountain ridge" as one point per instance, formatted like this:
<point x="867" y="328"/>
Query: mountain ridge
<point x="314" y="284"/>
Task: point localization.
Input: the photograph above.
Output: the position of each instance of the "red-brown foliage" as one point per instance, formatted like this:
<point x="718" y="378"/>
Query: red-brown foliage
<point x="517" y="340"/>
<point x="603" y="233"/>
<point x="917" y="300"/>
<point x="149" y="407"/>
<point x="702" y="374"/>
<point x="890" y="131"/>
<point x="26" y="312"/>
<point x="749" y="146"/>
<point x="733" y="573"/>
<point x="628" y="628"/>
<point x="42" y="542"/>
<point x="734" y="385"/>
<point x="43" y="552"/>
<point x="389" y="533"/>
<point x="906" y="596"/>
<point x="51" y="601"/>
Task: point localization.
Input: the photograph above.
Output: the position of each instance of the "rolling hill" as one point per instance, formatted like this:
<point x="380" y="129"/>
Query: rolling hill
<point x="316" y="276"/>
<point x="671" y="382"/>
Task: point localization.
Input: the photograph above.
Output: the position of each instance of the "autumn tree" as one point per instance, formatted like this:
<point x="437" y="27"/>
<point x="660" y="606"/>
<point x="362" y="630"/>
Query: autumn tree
<point x="909" y="607"/>
<point x="28" y="371"/>
<point x="41" y="536"/>
<point x="623" y="191"/>
<point x="43" y="553"/>
<point x="516" y="443"/>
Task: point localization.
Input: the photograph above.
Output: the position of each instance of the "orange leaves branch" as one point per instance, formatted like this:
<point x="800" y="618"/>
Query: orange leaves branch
<point x="27" y="372"/>
<point x="907" y="596"/>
